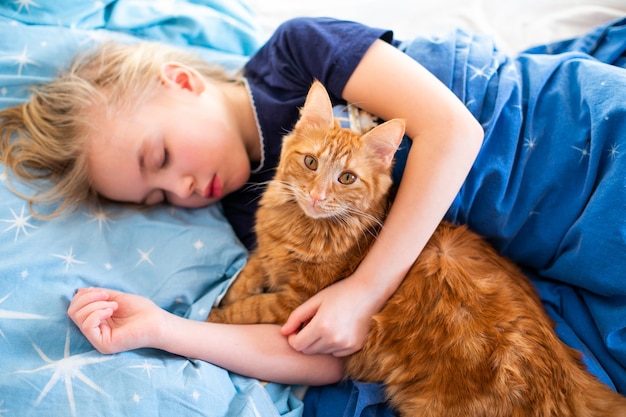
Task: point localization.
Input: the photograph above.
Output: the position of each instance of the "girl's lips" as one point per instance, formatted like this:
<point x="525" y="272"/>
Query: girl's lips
<point x="214" y="189"/>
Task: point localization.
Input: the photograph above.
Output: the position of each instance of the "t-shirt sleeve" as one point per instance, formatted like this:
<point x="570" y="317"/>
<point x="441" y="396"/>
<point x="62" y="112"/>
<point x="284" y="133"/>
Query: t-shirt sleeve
<point x="279" y="76"/>
<point x="304" y="49"/>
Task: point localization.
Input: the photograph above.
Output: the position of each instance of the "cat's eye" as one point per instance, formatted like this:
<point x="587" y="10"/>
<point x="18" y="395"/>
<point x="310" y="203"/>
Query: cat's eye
<point x="310" y="162"/>
<point x="347" y="178"/>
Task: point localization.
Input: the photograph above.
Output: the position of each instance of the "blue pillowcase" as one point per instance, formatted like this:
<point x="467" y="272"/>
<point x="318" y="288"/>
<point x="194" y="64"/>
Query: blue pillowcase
<point x="38" y="39"/>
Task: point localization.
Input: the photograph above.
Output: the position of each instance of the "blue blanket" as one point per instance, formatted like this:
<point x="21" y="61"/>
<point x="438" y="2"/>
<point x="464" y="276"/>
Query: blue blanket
<point x="179" y="258"/>
<point x="548" y="189"/>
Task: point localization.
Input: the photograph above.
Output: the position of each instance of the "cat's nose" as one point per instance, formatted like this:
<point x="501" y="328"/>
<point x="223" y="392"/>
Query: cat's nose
<point x="317" y="196"/>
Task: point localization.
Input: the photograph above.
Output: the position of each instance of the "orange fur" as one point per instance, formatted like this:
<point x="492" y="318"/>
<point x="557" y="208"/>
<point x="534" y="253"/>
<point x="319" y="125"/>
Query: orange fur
<point x="465" y="334"/>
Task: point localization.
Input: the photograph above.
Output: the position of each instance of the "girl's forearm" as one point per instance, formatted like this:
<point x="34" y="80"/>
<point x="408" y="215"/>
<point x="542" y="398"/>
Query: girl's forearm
<point x="257" y="351"/>
<point x="430" y="182"/>
<point x="446" y="139"/>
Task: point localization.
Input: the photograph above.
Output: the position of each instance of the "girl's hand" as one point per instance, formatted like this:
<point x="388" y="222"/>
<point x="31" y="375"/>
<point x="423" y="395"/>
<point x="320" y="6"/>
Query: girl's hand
<point x="114" y="321"/>
<point x="334" y="321"/>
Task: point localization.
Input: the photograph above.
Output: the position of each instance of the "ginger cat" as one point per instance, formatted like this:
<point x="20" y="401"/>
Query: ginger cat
<point x="465" y="333"/>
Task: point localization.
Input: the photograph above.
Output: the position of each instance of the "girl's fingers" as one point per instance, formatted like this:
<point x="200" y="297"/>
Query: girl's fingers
<point x="299" y="317"/>
<point x="304" y="346"/>
<point x="81" y="314"/>
<point x="94" y="321"/>
<point x="84" y="296"/>
<point x="86" y="303"/>
<point x="97" y="330"/>
<point x="342" y="353"/>
<point x="307" y="340"/>
<point x="310" y="340"/>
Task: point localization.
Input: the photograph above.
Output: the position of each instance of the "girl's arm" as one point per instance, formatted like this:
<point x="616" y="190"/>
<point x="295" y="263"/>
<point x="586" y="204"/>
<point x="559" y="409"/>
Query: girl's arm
<point x="446" y="140"/>
<point x="114" y="322"/>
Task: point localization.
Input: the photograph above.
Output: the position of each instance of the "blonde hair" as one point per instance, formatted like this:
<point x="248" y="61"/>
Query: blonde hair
<point x="46" y="138"/>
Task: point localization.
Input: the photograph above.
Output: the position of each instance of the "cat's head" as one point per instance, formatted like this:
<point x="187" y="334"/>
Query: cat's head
<point x="334" y="172"/>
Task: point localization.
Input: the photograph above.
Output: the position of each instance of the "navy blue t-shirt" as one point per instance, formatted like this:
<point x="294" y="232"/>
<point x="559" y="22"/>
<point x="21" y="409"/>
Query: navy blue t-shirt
<point x="278" y="77"/>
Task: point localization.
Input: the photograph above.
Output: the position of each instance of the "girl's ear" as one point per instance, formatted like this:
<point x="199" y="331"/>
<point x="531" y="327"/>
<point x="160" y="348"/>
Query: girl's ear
<point x="180" y="76"/>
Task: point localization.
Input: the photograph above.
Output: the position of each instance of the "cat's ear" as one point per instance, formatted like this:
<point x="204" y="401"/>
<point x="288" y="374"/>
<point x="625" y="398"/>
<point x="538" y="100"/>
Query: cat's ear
<point x="317" y="109"/>
<point x="384" y="139"/>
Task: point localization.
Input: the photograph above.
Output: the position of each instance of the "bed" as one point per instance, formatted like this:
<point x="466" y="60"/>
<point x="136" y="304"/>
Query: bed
<point x="181" y="259"/>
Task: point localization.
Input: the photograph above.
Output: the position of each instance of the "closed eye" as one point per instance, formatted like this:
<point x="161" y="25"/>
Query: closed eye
<point x="166" y="158"/>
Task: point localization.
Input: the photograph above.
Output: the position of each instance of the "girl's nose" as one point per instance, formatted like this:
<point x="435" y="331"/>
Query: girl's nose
<point x="184" y="187"/>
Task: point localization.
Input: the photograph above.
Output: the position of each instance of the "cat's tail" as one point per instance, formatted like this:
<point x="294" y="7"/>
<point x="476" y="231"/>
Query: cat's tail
<point x="607" y="404"/>
<point x="592" y="398"/>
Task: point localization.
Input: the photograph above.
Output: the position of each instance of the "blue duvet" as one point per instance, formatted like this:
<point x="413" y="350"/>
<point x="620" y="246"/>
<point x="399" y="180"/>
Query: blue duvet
<point x="548" y="189"/>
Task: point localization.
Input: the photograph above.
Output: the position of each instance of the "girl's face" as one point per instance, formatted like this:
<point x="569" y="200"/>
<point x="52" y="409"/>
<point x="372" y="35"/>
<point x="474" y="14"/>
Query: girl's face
<point x="182" y="146"/>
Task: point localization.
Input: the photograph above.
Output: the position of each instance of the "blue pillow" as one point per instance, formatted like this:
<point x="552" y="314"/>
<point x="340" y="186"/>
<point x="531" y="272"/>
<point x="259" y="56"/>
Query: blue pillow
<point x="39" y="39"/>
<point x="181" y="259"/>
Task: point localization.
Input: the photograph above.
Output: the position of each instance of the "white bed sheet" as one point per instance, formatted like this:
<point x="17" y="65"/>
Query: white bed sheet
<point x="514" y="24"/>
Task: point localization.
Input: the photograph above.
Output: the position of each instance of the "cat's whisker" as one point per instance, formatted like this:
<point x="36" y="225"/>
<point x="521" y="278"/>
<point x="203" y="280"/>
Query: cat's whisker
<point x="285" y="188"/>
<point x="363" y="215"/>
<point x="256" y="186"/>
<point x="350" y="222"/>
